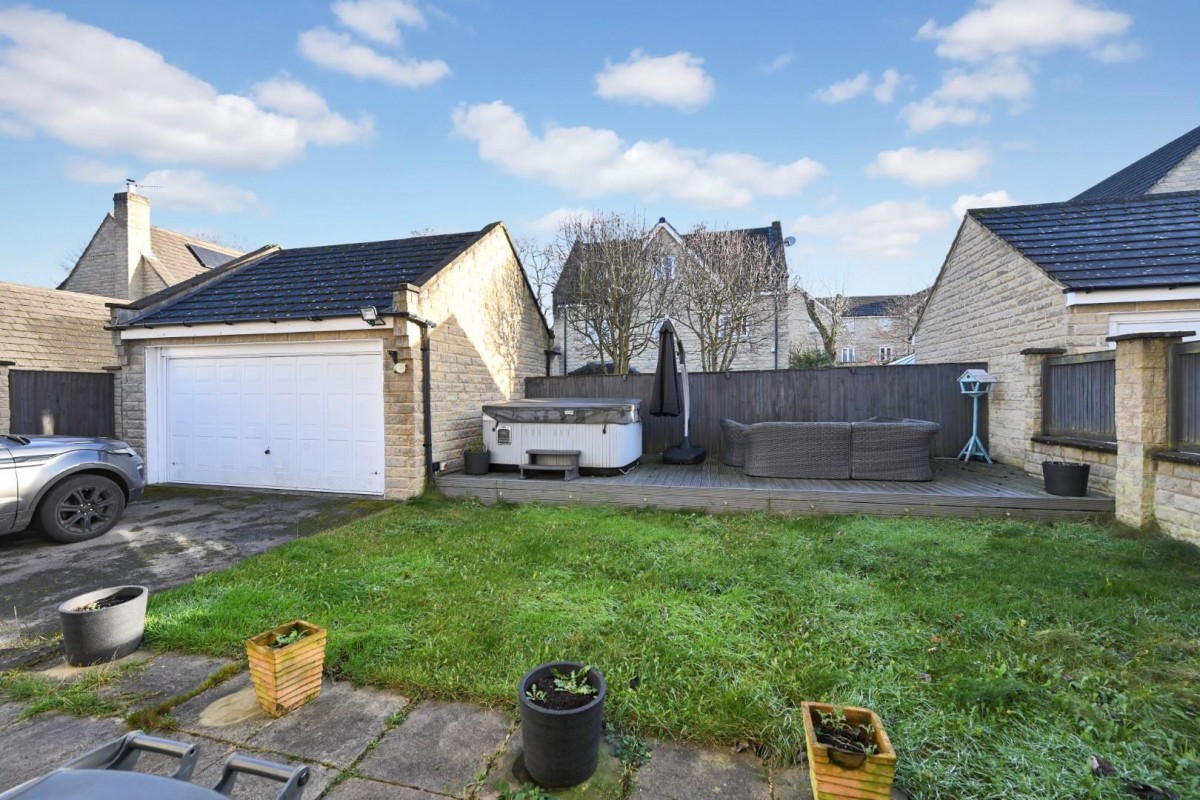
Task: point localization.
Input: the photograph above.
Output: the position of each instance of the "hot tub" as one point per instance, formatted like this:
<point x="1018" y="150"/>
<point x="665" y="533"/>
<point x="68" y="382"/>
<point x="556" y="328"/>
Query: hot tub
<point x="606" y="431"/>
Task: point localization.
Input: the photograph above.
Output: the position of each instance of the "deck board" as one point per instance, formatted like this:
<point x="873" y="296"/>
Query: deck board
<point x="960" y="490"/>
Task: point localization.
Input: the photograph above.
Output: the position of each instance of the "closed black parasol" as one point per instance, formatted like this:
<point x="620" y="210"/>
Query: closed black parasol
<point x="670" y="395"/>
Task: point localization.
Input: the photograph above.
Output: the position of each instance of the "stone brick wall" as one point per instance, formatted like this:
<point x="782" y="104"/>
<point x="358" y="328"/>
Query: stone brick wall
<point x="95" y="271"/>
<point x="1185" y="177"/>
<point x="1177" y="500"/>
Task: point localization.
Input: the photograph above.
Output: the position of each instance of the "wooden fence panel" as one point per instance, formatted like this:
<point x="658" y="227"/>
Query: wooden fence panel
<point x="1079" y="396"/>
<point x="1185" y="397"/>
<point x="845" y="394"/>
<point x="71" y="403"/>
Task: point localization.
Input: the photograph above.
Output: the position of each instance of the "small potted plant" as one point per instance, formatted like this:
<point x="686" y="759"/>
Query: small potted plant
<point x="103" y="625"/>
<point x="1066" y="478"/>
<point x="849" y="753"/>
<point x="286" y="664"/>
<point x="562" y="715"/>
<point x="476" y="458"/>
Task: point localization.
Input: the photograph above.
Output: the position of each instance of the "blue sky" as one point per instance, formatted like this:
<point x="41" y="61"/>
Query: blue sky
<point x="864" y="127"/>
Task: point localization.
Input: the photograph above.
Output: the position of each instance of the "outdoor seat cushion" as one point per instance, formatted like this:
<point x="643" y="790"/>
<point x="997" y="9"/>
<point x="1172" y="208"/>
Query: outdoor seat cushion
<point x="733" y="442"/>
<point x="892" y="451"/>
<point x="798" y="450"/>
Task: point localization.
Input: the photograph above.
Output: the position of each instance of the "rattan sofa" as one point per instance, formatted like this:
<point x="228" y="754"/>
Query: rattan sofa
<point x="882" y="449"/>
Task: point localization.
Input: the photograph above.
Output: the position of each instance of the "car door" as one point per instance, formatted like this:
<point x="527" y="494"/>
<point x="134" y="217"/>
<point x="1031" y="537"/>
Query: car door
<point x="8" y="490"/>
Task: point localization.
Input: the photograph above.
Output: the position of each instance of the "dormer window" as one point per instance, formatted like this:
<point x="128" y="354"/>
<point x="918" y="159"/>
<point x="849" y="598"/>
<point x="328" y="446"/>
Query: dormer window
<point x="665" y="270"/>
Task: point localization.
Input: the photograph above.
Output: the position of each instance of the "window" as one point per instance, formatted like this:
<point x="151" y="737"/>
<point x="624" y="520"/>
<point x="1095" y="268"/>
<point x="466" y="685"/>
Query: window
<point x="723" y="328"/>
<point x="812" y="327"/>
<point x="885" y="353"/>
<point x="847" y="355"/>
<point x="665" y="269"/>
<point x="849" y="323"/>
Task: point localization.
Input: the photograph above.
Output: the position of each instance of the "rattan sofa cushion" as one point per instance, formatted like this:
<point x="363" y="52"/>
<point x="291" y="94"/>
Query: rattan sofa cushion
<point x="892" y="451"/>
<point x="733" y="444"/>
<point x="798" y="450"/>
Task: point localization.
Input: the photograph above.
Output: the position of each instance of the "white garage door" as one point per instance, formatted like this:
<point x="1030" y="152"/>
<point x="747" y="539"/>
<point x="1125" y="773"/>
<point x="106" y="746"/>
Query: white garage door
<point x="311" y="422"/>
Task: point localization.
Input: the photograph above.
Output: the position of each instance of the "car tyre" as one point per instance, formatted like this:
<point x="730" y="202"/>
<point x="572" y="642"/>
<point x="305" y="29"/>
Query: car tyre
<point x="81" y="507"/>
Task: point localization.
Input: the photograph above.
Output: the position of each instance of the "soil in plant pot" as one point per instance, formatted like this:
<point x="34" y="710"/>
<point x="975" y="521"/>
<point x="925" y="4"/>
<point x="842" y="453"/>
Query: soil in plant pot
<point x="556" y="699"/>
<point x="291" y="637"/>
<point x="106" y="602"/>
<point x="846" y="737"/>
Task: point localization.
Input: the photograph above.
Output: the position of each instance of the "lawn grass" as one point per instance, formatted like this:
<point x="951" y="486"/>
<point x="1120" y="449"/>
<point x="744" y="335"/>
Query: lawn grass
<point x="1000" y="654"/>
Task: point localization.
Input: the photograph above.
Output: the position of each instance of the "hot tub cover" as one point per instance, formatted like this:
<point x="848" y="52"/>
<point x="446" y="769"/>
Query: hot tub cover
<point x="576" y="410"/>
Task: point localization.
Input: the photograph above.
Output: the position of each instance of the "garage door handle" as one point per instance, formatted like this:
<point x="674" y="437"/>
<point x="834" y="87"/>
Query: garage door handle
<point x="267" y="452"/>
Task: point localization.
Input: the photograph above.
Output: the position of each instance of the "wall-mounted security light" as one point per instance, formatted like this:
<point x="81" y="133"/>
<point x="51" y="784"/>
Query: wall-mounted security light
<point x="370" y="315"/>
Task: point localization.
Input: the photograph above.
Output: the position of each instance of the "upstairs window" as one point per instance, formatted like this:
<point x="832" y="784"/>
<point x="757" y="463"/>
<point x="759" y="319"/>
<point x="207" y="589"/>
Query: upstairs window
<point x="665" y="270"/>
<point x="723" y="326"/>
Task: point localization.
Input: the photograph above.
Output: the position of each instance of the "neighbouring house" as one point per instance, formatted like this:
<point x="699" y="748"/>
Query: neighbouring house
<point x="54" y="353"/>
<point x="128" y="258"/>
<point x="350" y="368"/>
<point x="874" y="329"/>
<point x="1027" y="288"/>
<point x="766" y="345"/>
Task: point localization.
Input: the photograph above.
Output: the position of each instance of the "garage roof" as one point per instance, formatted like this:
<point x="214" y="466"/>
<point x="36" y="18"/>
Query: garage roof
<point x="1129" y="243"/>
<point x="312" y="282"/>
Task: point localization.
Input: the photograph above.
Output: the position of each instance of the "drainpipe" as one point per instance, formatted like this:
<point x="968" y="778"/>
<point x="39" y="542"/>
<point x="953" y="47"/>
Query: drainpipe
<point x="426" y="389"/>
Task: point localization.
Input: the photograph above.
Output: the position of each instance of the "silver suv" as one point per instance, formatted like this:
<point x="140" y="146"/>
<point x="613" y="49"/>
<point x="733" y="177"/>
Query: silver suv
<point x="72" y="487"/>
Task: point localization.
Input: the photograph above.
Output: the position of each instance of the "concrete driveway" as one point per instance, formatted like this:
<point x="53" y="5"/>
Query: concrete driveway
<point x="166" y="539"/>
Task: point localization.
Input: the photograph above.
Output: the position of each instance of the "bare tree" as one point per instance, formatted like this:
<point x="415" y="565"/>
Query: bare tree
<point x="612" y="288"/>
<point x="904" y="310"/>
<point x="726" y="290"/>
<point x="826" y="315"/>
<point x="542" y="266"/>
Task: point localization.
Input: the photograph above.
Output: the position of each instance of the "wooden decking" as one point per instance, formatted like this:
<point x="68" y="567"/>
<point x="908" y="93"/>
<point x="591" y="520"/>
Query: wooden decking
<point x="958" y="490"/>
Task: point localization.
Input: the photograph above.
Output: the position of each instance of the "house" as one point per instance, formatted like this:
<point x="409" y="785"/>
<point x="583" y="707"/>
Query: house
<point x="52" y="345"/>
<point x="128" y="258"/>
<point x="763" y="339"/>
<point x="1022" y="283"/>
<point x="873" y="329"/>
<point x="351" y="368"/>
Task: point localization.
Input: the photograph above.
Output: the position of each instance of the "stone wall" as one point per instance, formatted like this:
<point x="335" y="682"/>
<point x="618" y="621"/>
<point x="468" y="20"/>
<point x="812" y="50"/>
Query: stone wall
<point x="1177" y="500"/>
<point x="1185" y="177"/>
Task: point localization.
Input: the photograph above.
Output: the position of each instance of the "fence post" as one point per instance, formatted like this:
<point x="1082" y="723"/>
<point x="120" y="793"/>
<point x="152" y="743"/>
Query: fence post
<point x="1142" y="425"/>
<point x="5" y="410"/>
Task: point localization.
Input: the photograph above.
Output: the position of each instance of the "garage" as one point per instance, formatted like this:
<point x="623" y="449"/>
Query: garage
<point x="307" y="417"/>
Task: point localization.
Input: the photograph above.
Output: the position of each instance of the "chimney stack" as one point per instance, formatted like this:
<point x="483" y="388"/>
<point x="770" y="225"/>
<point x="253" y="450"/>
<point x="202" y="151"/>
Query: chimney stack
<point x="131" y="212"/>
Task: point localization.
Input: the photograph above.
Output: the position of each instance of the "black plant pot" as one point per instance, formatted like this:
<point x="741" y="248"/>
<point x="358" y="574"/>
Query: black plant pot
<point x="1066" y="478"/>
<point x="103" y="634"/>
<point x="561" y="748"/>
<point x="477" y="462"/>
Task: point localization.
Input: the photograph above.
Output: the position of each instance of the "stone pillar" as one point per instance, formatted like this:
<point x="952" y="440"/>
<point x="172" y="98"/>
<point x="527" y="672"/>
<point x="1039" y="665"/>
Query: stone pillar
<point x="5" y="418"/>
<point x="1141" y="409"/>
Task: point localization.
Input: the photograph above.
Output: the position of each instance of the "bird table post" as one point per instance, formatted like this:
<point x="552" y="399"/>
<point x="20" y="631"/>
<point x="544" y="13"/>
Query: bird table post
<point x="975" y="383"/>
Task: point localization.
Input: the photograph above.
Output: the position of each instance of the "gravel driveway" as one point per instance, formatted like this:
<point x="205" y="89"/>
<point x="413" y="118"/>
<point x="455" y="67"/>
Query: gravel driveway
<point x="166" y="539"/>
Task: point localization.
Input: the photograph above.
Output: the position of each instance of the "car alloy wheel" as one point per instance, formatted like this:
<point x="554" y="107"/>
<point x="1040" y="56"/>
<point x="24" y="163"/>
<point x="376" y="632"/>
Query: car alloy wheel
<point x="86" y="509"/>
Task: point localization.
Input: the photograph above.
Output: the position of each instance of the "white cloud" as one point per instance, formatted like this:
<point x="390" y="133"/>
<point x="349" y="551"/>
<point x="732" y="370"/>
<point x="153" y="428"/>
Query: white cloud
<point x="928" y="114"/>
<point x="379" y="20"/>
<point x="551" y="222"/>
<point x="1116" y="52"/>
<point x="845" y="90"/>
<point x="935" y="167"/>
<point x="996" y="27"/>
<point x="965" y="202"/>
<point x="677" y="80"/>
<point x="595" y="161"/>
<point x="96" y="91"/>
<point x="338" y="52"/>
<point x="293" y="98"/>
<point x="886" y="230"/>
<point x="885" y="90"/>
<point x="178" y="189"/>
<point x="777" y="63"/>
<point x="1004" y="78"/>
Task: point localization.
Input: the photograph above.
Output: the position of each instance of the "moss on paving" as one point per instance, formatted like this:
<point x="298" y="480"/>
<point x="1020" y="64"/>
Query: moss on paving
<point x="1000" y="654"/>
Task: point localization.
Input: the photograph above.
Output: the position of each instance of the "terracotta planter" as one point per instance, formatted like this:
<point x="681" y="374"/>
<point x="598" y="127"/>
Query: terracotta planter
<point x="837" y="775"/>
<point x="287" y="677"/>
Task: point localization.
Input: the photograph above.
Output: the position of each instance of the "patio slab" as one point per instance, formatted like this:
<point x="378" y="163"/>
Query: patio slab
<point x="59" y="670"/>
<point x="229" y="712"/>
<point x="248" y="787"/>
<point x="676" y="772"/>
<point x="44" y="742"/>
<point x="166" y="677"/>
<point x="335" y="728"/>
<point x="359" y="789"/>
<point x="10" y="713"/>
<point x="509" y="769"/>
<point x="791" y="783"/>
<point x="441" y="747"/>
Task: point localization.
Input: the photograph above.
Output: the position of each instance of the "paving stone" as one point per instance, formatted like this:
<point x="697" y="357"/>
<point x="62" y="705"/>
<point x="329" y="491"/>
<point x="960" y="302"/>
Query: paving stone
<point x="441" y="747"/>
<point x="60" y="670"/>
<point x="509" y="769"/>
<point x="249" y="787"/>
<point x="676" y="772"/>
<point x="165" y="678"/>
<point x="228" y="711"/>
<point x="10" y="713"/>
<point x="208" y="753"/>
<point x="358" y="789"/>
<point x="40" y="744"/>
<point x="335" y="728"/>
<point x="791" y="783"/>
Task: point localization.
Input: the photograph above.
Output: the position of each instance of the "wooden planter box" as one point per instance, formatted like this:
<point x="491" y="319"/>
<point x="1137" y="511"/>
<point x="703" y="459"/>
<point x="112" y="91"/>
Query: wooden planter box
<point x="286" y="677"/>
<point x="872" y="780"/>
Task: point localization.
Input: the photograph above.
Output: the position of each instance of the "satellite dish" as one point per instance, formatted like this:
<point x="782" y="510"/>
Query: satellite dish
<point x="789" y="241"/>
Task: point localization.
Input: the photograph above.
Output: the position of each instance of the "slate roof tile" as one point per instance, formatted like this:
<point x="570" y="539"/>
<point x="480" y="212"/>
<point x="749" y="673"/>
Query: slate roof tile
<point x="1140" y="176"/>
